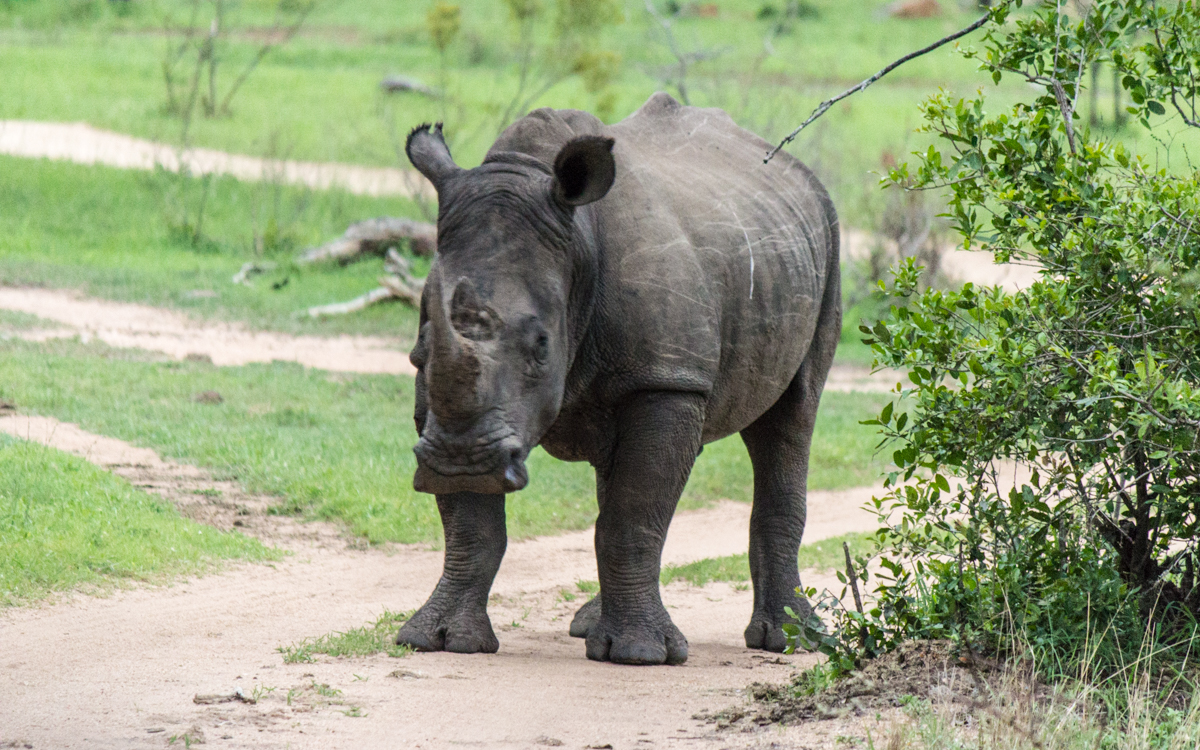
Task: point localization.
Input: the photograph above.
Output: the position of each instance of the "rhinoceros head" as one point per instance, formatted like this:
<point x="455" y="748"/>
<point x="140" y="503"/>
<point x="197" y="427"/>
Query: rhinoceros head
<point x="497" y="343"/>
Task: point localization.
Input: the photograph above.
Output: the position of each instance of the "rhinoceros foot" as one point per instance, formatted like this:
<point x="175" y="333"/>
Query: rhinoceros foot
<point x="461" y="632"/>
<point x="765" y="630"/>
<point x="655" y="642"/>
<point x="586" y="618"/>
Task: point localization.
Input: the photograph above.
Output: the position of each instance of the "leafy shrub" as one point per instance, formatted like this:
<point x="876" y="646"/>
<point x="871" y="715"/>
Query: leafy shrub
<point x="1047" y="488"/>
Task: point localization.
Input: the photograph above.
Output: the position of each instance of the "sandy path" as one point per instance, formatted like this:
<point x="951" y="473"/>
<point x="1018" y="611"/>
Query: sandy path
<point x="126" y="325"/>
<point x="81" y="143"/>
<point x="958" y="265"/>
<point x="105" y="672"/>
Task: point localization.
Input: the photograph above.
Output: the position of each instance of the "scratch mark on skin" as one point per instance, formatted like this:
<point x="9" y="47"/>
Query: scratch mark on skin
<point x="749" y="246"/>
<point x="645" y="282"/>
<point x="686" y="353"/>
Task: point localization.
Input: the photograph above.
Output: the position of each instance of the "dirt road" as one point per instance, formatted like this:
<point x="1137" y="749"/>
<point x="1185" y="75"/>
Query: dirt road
<point x="126" y="325"/>
<point x="81" y="143"/>
<point x="122" y="671"/>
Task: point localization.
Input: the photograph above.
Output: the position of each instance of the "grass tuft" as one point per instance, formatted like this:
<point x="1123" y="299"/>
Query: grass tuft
<point x="373" y="638"/>
<point x="12" y="321"/>
<point x="824" y="555"/>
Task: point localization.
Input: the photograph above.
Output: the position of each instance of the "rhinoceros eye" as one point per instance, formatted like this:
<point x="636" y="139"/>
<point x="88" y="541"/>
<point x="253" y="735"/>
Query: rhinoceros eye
<point x="541" y="348"/>
<point x="536" y="343"/>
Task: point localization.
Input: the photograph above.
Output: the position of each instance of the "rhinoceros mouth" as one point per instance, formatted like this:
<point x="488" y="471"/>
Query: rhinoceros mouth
<point x="488" y="463"/>
<point x="513" y="479"/>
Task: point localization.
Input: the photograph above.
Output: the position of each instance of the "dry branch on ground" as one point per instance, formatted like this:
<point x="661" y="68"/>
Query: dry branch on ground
<point x="374" y="237"/>
<point x="377" y="237"/>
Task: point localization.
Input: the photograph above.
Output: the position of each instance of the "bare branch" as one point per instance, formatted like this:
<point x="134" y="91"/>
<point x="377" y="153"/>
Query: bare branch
<point x="354" y="305"/>
<point x="828" y="103"/>
<point x="683" y="59"/>
<point x="1065" y="107"/>
<point x="288" y="32"/>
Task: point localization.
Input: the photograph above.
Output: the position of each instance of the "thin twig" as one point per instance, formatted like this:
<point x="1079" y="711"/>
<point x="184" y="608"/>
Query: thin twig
<point x="828" y="103"/>
<point x="682" y="58"/>
<point x="853" y="578"/>
<point x="288" y="33"/>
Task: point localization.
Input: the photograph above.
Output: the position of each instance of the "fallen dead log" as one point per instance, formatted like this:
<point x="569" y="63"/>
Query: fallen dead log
<point x="401" y="84"/>
<point x="374" y="237"/>
<point x="400" y="278"/>
<point x="251" y="269"/>
<point x="399" y="284"/>
<point x="377" y="237"/>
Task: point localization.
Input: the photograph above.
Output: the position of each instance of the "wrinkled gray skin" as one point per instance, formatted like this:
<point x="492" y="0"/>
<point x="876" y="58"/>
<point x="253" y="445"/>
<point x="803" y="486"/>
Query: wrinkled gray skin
<point x="624" y="322"/>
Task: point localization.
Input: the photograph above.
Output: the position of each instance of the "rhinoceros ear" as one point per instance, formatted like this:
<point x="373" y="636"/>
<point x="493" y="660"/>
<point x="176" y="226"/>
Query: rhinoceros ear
<point x="428" y="152"/>
<point x="584" y="170"/>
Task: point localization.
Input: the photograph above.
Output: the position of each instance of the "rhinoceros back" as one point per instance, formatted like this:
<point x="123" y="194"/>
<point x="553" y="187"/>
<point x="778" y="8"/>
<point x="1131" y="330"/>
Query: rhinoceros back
<point x="721" y="260"/>
<point x="712" y="264"/>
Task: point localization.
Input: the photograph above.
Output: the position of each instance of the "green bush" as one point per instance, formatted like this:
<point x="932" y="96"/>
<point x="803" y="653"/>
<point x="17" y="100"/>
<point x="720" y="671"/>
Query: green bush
<point x="1047" y="489"/>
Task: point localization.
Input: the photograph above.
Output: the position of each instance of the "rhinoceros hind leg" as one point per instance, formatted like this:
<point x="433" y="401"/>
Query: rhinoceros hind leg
<point x="778" y="443"/>
<point x="455" y="616"/>
<point x="587" y="616"/>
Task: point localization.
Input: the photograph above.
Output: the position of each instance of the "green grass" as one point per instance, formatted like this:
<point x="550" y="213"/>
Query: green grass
<point x="824" y="555"/>
<point x="351" y="45"/>
<point x="340" y="447"/>
<point x="107" y="232"/>
<point x="319" y="98"/>
<point x="66" y="524"/>
<point x="376" y="637"/>
<point x="11" y="321"/>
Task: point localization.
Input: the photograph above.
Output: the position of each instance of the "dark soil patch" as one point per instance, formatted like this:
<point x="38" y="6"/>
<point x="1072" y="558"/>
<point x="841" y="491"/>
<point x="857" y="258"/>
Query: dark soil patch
<point x="915" y="670"/>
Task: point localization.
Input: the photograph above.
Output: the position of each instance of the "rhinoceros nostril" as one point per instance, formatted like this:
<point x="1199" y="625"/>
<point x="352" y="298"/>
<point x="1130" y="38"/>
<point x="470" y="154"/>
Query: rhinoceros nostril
<point x="512" y="476"/>
<point x="515" y="476"/>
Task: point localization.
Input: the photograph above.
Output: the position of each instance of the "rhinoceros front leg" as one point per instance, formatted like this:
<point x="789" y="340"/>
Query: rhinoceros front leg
<point x="455" y="617"/>
<point x="657" y="440"/>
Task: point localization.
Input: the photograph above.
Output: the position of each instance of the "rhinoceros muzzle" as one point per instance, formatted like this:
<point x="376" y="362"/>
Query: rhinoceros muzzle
<point x="446" y="465"/>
